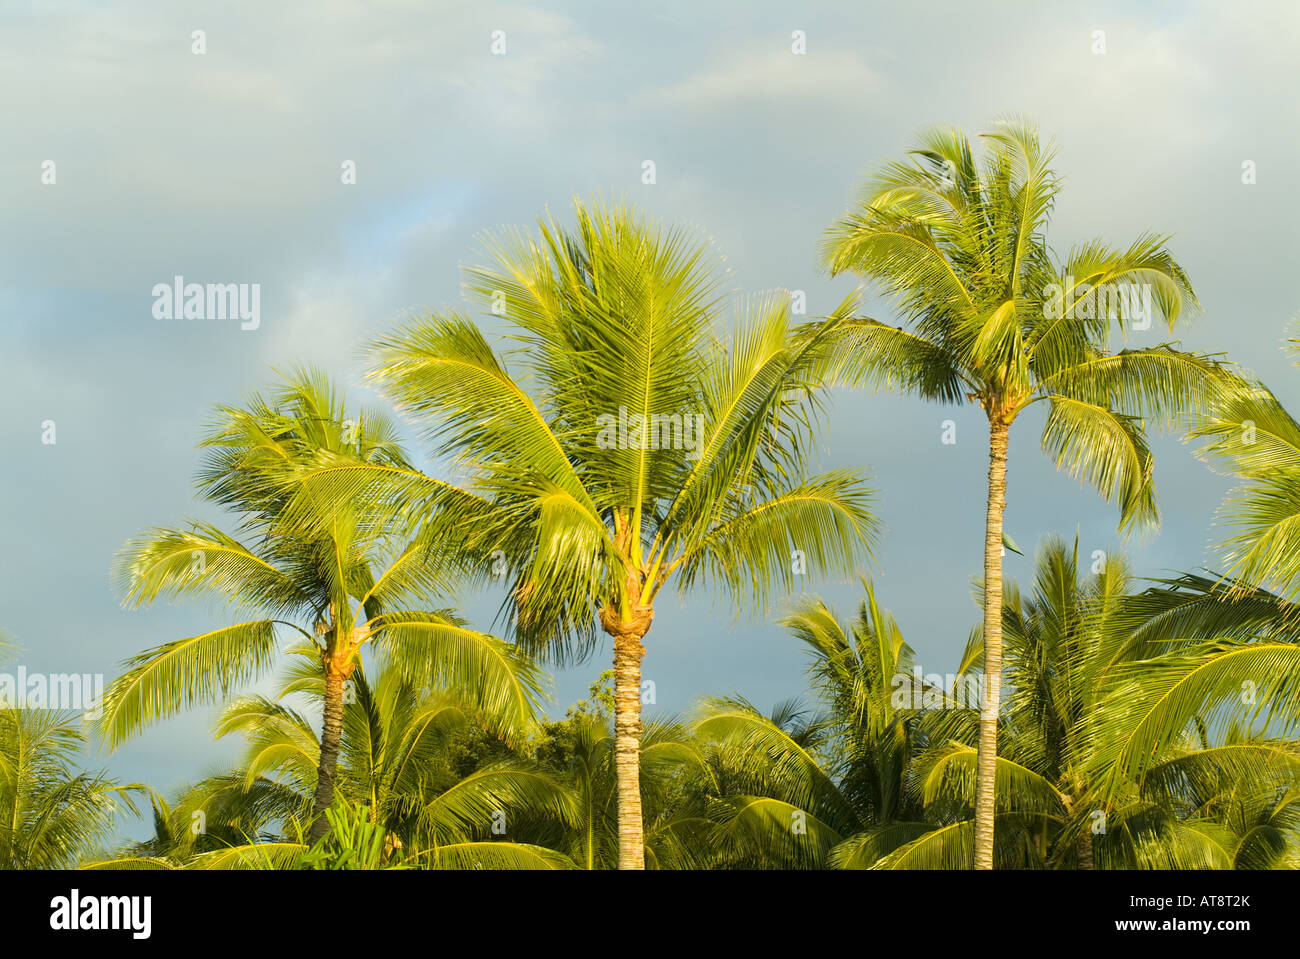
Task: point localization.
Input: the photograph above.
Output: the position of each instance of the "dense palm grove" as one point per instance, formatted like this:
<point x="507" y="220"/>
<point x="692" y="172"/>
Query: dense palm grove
<point x="1117" y="723"/>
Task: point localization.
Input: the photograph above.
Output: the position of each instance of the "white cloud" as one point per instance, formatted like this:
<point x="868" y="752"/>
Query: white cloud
<point x="769" y="76"/>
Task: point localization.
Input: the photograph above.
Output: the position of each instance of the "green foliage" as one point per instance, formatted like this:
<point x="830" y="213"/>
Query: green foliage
<point x="993" y="315"/>
<point x="1105" y="721"/>
<point x="339" y="579"/>
<point x="1249" y="435"/>
<point x="51" y="816"/>
<point x="343" y="576"/>
<point x="353" y="842"/>
<point x="612" y="316"/>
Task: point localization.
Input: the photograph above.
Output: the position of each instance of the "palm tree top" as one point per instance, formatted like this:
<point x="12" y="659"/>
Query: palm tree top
<point x="337" y="575"/>
<point x="632" y="441"/>
<point x="958" y="244"/>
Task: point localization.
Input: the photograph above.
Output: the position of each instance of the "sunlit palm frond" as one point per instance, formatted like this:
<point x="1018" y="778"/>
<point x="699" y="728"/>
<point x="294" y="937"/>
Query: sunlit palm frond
<point x="1150" y="702"/>
<point x="199" y="669"/>
<point x="487" y="673"/>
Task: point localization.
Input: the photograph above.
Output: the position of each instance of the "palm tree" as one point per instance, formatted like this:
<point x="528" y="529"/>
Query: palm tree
<point x="215" y="814"/>
<point x="400" y="797"/>
<point x="876" y="783"/>
<point x="776" y="803"/>
<point x="1058" y="643"/>
<point x="1230" y="805"/>
<point x="345" y="583"/>
<point x="632" y="448"/>
<point x="1222" y="651"/>
<point x="836" y="788"/>
<point x="393" y="766"/>
<point x="1081" y="651"/>
<point x="994" y="317"/>
<point x="1250" y="435"/>
<point x="673" y="774"/>
<point x="51" y="816"/>
<point x="1217" y="658"/>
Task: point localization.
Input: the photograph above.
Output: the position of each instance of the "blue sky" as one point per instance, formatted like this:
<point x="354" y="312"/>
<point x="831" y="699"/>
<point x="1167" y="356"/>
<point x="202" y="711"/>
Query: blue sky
<point x="225" y="167"/>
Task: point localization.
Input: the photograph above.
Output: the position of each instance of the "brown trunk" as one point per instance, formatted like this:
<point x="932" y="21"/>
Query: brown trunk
<point x="336" y="675"/>
<point x="986" y="761"/>
<point x="628" y="653"/>
<point x="1085" y="849"/>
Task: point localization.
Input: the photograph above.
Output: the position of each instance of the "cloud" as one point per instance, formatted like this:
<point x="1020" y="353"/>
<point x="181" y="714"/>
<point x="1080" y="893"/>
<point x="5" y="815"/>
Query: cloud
<point x="770" y="78"/>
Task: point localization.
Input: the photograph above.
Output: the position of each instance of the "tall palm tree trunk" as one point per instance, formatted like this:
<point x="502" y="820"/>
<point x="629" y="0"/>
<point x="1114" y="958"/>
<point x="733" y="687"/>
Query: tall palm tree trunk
<point x="628" y="653"/>
<point x="986" y="760"/>
<point x="331" y="734"/>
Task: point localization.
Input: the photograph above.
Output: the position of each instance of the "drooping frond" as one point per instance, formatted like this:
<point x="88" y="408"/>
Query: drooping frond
<point x="281" y="741"/>
<point x="823" y="526"/>
<point x="952" y="846"/>
<point x="1192" y="608"/>
<point x="199" y="669"/>
<point x="951" y="774"/>
<point x="261" y="855"/>
<point x="1151" y="702"/>
<point x="130" y="864"/>
<point x="493" y="855"/>
<point x="866" y="849"/>
<point x="203" y="562"/>
<point x="487" y="673"/>
<point x="764" y="829"/>
<point x="764" y="754"/>
<point x="1106" y="449"/>
<point x="490" y="797"/>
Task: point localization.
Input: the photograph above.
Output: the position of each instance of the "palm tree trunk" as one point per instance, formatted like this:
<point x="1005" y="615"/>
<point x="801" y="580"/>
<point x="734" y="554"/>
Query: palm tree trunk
<point x="628" y="653"/>
<point x="986" y="760"/>
<point x="331" y="734"/>
<point x="1085" y="851"/>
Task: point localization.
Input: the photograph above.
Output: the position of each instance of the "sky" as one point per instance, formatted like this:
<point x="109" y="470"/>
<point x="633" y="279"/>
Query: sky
<point x="226" y="166"/>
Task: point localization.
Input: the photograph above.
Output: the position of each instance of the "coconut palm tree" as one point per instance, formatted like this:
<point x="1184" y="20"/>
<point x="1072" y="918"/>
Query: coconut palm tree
<point x="393" y="767"/>
<point x="215" y="814"/>
<point x="876" y="782"/>
<point x="1084" y="655"/>
<point x="1251" y="436"/>
<point x="343" y="582"/>
<point x="1215" y="657"/>
<point x="835" y="788"/>
<point x="674" y="783"/>
<point x="1059" y="641"/>
<point x="51" y="815"/>
<point x="399" y="797"/>
<point x="776" y="803"/>
<point x="993" y="317"/>
<point x="632" y="448"/>
<point x="1230" y="805"/>
<point x="1221" y="651"/>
